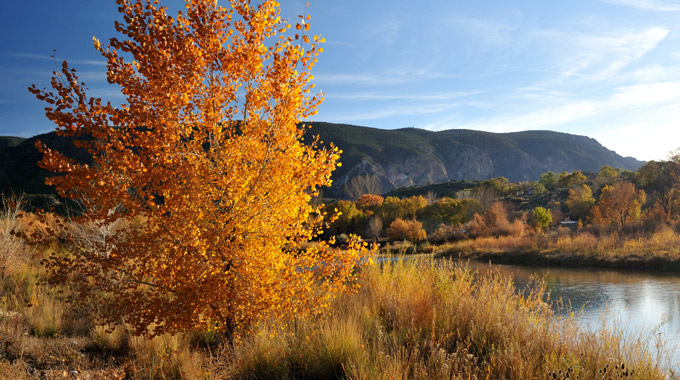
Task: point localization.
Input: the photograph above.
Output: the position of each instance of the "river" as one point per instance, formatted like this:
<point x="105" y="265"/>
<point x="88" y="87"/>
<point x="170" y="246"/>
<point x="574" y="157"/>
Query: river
<point x="637" y="302"/>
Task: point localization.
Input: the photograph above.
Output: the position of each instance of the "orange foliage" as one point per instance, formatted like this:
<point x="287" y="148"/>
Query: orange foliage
<point x="369" y="203"/>
<point x="406" y="230"/>
<point x="207" y="151"/>
<point x="495" y="223"/>
<point x="618" y="205"/>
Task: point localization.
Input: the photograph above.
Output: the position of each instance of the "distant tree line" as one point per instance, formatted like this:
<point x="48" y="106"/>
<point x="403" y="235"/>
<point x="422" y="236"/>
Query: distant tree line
<point x="611" y="199"/>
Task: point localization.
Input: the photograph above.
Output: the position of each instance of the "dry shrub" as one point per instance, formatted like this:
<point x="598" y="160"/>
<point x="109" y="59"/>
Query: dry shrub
<point x="410" y="320"/>
<point x="110" y="340"/>
<point x="496" y="218"/>
<point x="16" y="370"/>
<point x="585" y="242"/>
<point x="15" y="254"/>
<point x="411" y="230"/>
<point x="654" y="218"/>
<point x="165" y="357"/>
<point x="517" y="228"/>
<point x="495" y="223"/>
<point x="445" y="234"/>
<point x="587" y="245"/>
<point x="45" y="317"/>
<point x="477" y="227"/>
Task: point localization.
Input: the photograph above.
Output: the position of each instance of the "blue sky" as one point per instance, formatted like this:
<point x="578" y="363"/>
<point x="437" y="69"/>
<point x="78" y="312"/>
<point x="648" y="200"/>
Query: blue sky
<point x="608" y="69"/>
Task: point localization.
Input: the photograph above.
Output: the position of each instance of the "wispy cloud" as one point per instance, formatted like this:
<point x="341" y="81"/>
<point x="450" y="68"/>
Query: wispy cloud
<point x="489" y="31"/>
<point x="622" y="100"/>
<point x="607" y="54"/>
<point x="385" y="31"/>
<point x="43" y="57"/>
<point x="597" y="57"/>
<point x="393" y="96"/>
<point x="107" y="94"/>
<point x="653" y="73"/>
<point x="650" y="5"/>
<point x="565" y="73"/>
<point x="387" y="78"/>
<point x="392" y="110"/>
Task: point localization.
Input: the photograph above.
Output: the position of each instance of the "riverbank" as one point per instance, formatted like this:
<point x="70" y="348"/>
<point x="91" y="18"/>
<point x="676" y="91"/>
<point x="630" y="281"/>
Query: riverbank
<point x="659" y="251"/>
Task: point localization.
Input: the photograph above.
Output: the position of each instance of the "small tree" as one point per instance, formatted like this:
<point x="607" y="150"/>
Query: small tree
<point x="446" y="211"/>
<point x="606" y="176"/>
<point x="661" y="182"/>
<point x="348" y="216"/>
<point x="580" y="201"/>
<point x="205" y="165"/>
<point x="540" y="218"/>
<point x="375" y="225"/>
<point x="549" y="180"/>
<point x="393" y="208"/>
<point x="569" y="180"/>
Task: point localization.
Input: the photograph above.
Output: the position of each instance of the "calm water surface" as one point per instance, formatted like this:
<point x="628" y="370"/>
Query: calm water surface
<point x="635" y="301"/>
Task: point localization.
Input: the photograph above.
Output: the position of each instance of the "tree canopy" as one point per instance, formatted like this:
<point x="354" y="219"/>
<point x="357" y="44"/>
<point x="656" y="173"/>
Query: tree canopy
<point x="201" y="175"/>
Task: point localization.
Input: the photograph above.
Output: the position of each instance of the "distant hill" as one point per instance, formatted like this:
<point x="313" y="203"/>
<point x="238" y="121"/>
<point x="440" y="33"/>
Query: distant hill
<point x="9" y="141"/>
<point x="19" y="171"/>
<point x="415" y="157"/>
<point x="381" y="160"/>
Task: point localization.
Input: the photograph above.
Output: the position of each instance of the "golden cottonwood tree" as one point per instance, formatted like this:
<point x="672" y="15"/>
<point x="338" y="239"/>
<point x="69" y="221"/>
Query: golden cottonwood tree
<point x="618" y="205"/>
<point x="205" y="167"/>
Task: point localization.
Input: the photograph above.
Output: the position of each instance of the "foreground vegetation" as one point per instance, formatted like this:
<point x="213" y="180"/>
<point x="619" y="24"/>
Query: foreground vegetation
<point x="409" y="320"/>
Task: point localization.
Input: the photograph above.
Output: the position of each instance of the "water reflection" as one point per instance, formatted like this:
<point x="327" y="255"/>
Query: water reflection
<point x="636" y="301"/>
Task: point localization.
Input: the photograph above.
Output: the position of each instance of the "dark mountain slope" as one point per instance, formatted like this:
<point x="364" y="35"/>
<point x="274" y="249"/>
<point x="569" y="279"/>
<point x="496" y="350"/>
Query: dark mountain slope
<point x="19" y="171"/>
<point x="9" y="141"/>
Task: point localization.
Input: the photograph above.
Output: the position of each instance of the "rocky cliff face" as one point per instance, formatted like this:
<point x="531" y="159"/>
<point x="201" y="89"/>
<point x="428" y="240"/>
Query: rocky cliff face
<point x="413" y="157"/>
<point x="467" y="162"/>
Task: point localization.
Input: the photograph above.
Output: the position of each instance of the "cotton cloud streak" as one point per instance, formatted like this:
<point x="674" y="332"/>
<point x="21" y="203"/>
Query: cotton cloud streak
<point x="392" y="96"/>
<point x="598" y="56"/>
<point x="393" y="77"/>
<point x="43" y="57"/>
<point x="489" y="31"/>
<point x="648" y="5"/>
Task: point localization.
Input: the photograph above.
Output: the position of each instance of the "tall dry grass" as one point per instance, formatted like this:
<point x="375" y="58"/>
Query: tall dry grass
<point x="416" y="320"/>
<point x="14" y="254"/>
<point x="426" y="321"/>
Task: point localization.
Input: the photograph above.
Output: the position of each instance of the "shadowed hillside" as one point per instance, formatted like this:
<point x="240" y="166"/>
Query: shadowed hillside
<point x="19" y="171"/>
<point x="9" y="141"/>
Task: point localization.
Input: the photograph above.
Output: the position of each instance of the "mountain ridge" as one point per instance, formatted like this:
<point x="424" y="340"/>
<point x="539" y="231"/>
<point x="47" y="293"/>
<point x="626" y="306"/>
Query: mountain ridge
<point x="379" y="160"/>
<point x="415" y="157"/>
